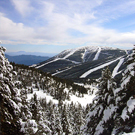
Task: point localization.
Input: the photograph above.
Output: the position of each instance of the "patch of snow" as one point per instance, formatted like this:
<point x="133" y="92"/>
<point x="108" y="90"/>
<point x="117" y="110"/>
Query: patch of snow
<point x="1" y="76"/>
<point x="41" y="94"/>
<point x="97" y="68"/>
<point x="34" y="65"/>
<point x="97" y="54"/>
<point x="75" y="62"/>
<point x="66" y="90"/>
<point x="131" y="104"/>
<point x="99" y="129"/>
<point x="58" y="72"/>
<point x="69" y="54"/>
<point x="130" y="107"/>
<point x="47" y="63"/>
<point x="125" y="81"/>
<point x="115" y="71"/>
<point x="86" y="99"/>
<point x="129" y="133"/>
<point x="84" y="55"/>
<point x="130" y="67"/>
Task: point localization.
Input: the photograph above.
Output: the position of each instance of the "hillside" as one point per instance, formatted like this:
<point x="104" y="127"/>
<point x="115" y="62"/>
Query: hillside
<point x="85" y="63"/>
<point x="33" y="102"/>
<point x="37" y="103"/>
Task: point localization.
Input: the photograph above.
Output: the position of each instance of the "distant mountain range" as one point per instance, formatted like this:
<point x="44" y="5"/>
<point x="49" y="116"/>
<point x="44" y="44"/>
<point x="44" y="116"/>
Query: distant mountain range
<point x="85" y="63"/>
<point x="26" y="59"/>
<point x="30" y="53"/>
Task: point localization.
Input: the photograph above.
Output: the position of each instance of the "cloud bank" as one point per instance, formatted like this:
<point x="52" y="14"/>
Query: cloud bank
<point x="66" y="22"/>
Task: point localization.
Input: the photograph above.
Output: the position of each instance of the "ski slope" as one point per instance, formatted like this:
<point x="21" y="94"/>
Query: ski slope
<point x="47" y="63"/>
<point x="115" y="71"/>
<point x="61" y="71"/>
<point x="71" y="53"/>
<point x="97" y="68"/>
<point x="97" y="54"/>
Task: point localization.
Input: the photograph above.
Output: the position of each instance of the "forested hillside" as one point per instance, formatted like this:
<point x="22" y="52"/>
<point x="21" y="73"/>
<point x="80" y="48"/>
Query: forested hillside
<point x="33" y="102"/>
<point x="113" y="109"/>
<point x="36" y="103"/>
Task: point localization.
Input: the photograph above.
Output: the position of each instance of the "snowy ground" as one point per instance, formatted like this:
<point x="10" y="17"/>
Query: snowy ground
<point x="86" y="99"/>
<point x="128" y="133"/>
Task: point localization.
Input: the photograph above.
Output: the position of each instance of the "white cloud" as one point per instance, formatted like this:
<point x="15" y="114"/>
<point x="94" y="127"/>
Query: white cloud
<point x="114" y="9"/>
<point x="22" y="6"/>
<point x="13" y="31"/>
<point x="58" y="17"/>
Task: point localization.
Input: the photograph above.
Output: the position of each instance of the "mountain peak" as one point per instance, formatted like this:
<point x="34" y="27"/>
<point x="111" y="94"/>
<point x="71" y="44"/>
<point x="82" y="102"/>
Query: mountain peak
<point x="84" y="62"/>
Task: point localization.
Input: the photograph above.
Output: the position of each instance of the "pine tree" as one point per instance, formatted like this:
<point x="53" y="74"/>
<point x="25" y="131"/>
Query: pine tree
<point x="78" y="120"/>
<point x="65" y="121"/>
<point x="125" y="117"/>
<point x="100" y="118"/>
<point x="9" y="99"/>
<point x="58" y="126"/>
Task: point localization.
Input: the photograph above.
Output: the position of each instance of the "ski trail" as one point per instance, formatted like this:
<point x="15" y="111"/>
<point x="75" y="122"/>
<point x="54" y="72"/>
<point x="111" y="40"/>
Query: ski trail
<point x="47" y="63"/>
<point x="72" y="52"/>
<point x="115" y="71"/>
<point x="84" y="55"/>
<point x="126" y="51"/>
<point x="97" y="54"/>
<point x="97" y="68"/>
<point x="57" y="60"/>
<point x="61" y="71"/>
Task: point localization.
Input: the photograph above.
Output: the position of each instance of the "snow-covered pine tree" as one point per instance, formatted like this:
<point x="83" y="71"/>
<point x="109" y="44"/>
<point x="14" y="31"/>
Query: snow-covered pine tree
<point x="38" y="123"/>
<point x="125" y="118"/>
<point x="9" y="99"/>
<point x="78" y="119"/>
<point x="100" y="117"/>
<point x="66" y="127"/>
<point x="58" y="126"/>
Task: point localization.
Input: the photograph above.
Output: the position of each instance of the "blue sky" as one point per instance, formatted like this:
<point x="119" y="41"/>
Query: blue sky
<point x="52" y="26"/>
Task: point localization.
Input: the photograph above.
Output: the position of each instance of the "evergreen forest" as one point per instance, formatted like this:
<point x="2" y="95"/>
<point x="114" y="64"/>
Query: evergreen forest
<point x="24" y="110"/>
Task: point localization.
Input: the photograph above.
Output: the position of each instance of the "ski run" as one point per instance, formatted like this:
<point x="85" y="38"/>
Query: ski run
<point x="97" y="54"/>
<point x="99" y="67"/>
<point x="115" y="71"/>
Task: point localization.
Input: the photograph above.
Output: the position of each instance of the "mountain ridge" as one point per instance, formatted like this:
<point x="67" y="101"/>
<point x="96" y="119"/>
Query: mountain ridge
<point x="73" y="63"/>
<point x="26" y="59"/>
<point x="30" y="53"/>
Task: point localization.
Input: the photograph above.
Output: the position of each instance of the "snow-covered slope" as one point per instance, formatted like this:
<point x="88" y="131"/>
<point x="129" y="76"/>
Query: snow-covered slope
<point x="80" y="62"/>
<point x="83" y="54"/>
<point x="102" y="66"/>
<point x="86" y="99"/>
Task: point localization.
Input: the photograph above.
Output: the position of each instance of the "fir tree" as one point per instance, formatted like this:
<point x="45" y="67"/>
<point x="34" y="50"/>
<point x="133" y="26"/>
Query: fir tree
<point x="58" y="126"/>
<point x="9" y="99"/>
<point x="78" y="120"/>
<point x="125" y="117"/>
<point x="100" y="118"/>
<point x="66" y="127"/>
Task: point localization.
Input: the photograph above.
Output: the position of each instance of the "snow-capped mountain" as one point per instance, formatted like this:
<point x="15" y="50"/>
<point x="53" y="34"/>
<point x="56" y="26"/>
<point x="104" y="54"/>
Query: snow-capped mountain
<point x="85" y="62"/>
